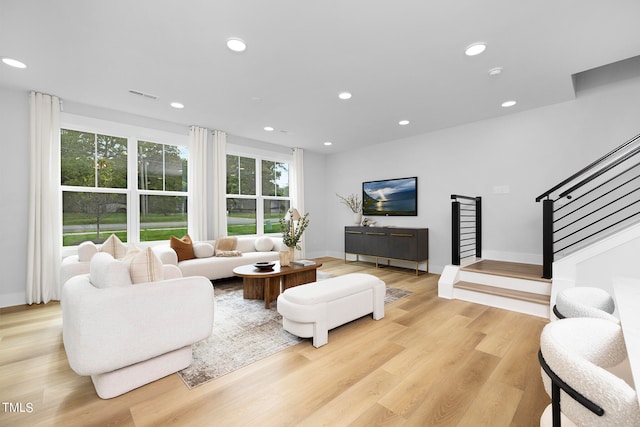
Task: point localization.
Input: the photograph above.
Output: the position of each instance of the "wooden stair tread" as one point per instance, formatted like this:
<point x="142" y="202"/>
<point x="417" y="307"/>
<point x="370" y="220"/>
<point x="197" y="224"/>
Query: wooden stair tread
<point x="503" y="292"/>
<point x="508" y="269"/>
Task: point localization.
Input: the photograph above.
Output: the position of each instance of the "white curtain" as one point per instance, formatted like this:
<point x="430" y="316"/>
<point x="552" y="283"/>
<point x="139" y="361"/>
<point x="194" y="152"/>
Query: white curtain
<point x="219" y="184"/>
<point x="297" y="188"/>
<point x="198" y="201"/>
<point x="45" y="222"/>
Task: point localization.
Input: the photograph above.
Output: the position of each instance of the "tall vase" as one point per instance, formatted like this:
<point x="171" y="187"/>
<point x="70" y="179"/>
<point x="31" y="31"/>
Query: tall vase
<point x="357" y="218"/>
<point x="292" y="254"/>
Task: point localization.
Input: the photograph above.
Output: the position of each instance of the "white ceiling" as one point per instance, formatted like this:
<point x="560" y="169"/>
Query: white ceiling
<point x="401" y="59"/>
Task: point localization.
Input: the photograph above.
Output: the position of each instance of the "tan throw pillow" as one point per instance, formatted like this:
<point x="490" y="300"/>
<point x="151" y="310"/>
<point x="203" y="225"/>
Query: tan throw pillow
<point x="228" y="253"/>
<point x="226" y="244"/>
<point x="114" y="247"/>
<point x="183" y="247"/>
<point x="146" y="267"/>
<point x="132" y="251"/>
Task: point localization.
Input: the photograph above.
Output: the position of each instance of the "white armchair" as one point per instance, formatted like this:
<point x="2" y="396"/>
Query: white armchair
<point x="127" y="336"/>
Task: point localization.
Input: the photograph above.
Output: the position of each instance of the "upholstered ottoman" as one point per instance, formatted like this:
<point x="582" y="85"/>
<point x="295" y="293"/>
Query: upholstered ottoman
<point x="311" y="310"/>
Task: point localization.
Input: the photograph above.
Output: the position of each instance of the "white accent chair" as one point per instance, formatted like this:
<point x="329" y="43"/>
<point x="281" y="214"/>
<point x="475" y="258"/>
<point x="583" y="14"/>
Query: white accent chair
<point x="126" y="335"/>
<point x="574" y="354"/>
<point x="313" y="309"/>
<point x="585" y="301"/>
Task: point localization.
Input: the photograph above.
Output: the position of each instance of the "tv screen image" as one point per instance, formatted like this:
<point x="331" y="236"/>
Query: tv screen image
<point x="390" y="197"/>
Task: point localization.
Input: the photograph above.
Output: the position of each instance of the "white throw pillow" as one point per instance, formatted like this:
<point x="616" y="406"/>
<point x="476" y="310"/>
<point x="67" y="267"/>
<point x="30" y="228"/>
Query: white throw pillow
<point x="146" y="267"/>
<point x="263" y="244"/>
<point x="86" y="251"/>
<point x="114" y="246"/>
<point x="105" y="272"/>
<point x="203" y="250"/>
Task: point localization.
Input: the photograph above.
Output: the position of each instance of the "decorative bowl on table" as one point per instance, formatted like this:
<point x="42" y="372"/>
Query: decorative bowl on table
<point x="264" y="265"/>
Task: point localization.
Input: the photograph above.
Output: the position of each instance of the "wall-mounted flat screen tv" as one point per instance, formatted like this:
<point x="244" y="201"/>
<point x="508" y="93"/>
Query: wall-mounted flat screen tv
<point x="390" y="197"/>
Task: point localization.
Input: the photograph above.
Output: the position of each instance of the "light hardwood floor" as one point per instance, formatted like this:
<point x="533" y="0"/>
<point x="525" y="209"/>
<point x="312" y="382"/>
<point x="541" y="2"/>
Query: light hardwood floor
<point x="429" y="362"/>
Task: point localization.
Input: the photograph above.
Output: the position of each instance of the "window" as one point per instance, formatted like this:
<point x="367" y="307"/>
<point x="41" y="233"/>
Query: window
<point x="113" y="184"/>
<point x="93" y="171"/>
<point x="250" y="211"/>
<point x="162" y="184"/>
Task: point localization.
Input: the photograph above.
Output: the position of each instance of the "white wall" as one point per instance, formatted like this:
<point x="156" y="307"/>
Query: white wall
<point x="602" y="269"/>
<point x="529" y="152"/>
<point x="14" y="192"/>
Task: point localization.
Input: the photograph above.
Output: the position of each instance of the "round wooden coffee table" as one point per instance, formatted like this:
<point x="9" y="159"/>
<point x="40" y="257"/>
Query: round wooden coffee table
<point x="267" y="285"/>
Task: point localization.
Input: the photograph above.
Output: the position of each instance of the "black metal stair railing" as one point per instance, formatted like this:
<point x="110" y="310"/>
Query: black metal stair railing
<point x="599" y="199"/>
<point x="466" y="228"/>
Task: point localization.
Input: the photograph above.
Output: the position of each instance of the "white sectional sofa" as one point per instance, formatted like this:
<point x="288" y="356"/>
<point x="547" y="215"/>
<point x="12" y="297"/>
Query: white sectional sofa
<point x="205" y="264"/>
<point x="253" y="249"/>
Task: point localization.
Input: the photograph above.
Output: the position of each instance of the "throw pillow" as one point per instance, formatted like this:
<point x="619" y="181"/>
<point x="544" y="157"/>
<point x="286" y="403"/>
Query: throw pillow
<point x="226" y="244"/>
<point x="86" y="251"/>
<point x="131" y="253"/>
<point x="183" y="247"/>
<point x="146" y="267"/>
<point x="114" y="247"/>
<point x="228" y="253"/>
<point x="264" y="244"/>
<point x="105" y="271"/>
<point x="203" y="250"/>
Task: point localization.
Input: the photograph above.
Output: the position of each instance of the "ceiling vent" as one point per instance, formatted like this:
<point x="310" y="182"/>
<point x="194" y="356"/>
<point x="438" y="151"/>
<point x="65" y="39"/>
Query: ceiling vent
<point x="146" y="95"/>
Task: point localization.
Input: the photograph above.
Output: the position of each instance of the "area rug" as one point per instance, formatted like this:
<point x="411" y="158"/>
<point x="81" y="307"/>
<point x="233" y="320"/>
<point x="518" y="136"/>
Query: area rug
<point x="243" y="332"/>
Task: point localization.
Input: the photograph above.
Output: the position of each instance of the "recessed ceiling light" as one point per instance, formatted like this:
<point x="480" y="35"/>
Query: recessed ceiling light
<point x="475" y="49"/>
<point x="14" y="63"/>
<point x="236" y="44"/>
<point x="507" y="104"/>
<point x="327" y="143"/>
<point x="344" y="95"/>
<point x="268" y="128"/>
<point x="403" y="122"/>
<point x="496" y="71"/>
<point x="177" y="105"/>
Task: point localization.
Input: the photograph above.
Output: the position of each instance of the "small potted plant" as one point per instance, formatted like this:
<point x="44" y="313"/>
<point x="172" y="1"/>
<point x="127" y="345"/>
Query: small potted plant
<point x="354" y="203"/>
<point x="291" y="234"/>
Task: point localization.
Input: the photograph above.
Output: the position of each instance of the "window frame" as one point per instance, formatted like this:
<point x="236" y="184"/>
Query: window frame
<point x="133" y="134"/>
<point x="259" y="156"/>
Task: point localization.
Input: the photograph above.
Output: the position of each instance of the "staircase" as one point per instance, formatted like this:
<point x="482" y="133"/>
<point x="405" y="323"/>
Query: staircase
<point x="508" y="285"/>
<point x="589" y="222"/>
